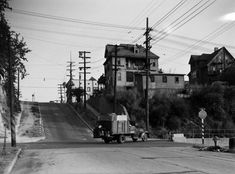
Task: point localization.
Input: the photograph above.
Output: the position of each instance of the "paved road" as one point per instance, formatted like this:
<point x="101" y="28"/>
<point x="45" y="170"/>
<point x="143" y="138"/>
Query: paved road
<point x="61" y="124"/>
<point x="116" y="160"/>
<point x="69" y="148"/>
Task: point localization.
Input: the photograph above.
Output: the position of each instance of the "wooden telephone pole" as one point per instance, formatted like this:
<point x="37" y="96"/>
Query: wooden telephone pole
<point x="60" y="91"/>
<point x="147" y="49"/>
<point x="11" y="99"/>
<point x="82" y="54"/>
<point x="115" y="82"/>
<point x="71" y="65"/>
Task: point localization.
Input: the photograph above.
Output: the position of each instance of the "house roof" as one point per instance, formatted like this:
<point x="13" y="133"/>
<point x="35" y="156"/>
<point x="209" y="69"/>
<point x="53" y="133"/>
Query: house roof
<point x="207" y="57"/>
<point x="163" y="74"/>
<point x="127" y="50"/>
<point x="166" y="74"/>
<point x="92" y="79"/>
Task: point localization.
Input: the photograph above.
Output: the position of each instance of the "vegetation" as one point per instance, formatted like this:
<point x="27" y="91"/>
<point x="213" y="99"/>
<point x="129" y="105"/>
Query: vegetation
<point x="12" y="47"/>
<point x="77" y="93"/>
<point x="180" y="114"/>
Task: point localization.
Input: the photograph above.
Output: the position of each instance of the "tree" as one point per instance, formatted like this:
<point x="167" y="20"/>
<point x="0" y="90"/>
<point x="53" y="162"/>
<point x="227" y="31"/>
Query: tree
<point x="212" y="98"/>
<point x="77" y="92"/>
<point x="228" y="75"/>
<point x="16" y="50"/>
<point x="101" y="80"/>
<point x="11" y="46"/>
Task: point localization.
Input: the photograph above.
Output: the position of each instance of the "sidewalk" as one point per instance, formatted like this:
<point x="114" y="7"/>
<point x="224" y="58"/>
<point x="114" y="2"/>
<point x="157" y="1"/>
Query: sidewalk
<point x="8" y="159"/>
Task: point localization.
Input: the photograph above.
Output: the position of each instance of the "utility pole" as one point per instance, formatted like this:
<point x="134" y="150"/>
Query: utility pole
<point x="116" y="67"/>
<point x="82" y="54"/>
<point x="79" y="79"/>
<point x="71" y="65"/>
<point x="147" y="44"/>
<point x="12" y="118"/>
<point x="60" y="86"/>
<point x="18" y="89"/>
<point x="115" y="82"/>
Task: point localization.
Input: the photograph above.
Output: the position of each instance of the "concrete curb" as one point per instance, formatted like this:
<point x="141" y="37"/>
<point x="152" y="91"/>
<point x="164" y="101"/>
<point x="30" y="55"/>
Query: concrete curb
<point x="8" y="170"/>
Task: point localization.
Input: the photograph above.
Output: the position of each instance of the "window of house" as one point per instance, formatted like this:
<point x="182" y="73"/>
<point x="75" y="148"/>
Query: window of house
<point x="136" y="50"/>
<point x="119" y="76"/>
<point x="154" y="64"/>
<point x="176" y="79"/>
<point x="129" y="76"/>
<point x="119" y="62"/>
<point x="128" y="63"/>
<point x="152" y="78"/>
<point x="88" y="89"/>
<point x="164" y="79"/>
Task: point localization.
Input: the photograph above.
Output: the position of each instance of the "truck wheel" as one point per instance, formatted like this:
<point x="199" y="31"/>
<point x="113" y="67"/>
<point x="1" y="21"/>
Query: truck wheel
<point x="144" y="137"/>
<point x="106" y="140"/>
<point x="121" y="139"/>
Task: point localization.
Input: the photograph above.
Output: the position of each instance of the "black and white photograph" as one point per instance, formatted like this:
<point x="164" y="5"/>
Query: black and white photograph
<point x="117" y="86"/>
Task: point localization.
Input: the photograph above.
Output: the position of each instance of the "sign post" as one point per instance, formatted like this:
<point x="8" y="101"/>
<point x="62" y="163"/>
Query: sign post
<point x="202" y="114"/>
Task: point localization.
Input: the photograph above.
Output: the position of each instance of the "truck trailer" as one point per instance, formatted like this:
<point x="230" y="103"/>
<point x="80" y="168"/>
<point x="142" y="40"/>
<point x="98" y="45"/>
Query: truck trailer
<point x="113" y="127"/>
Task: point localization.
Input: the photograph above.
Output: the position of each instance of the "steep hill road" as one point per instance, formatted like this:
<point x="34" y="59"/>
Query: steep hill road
<point x="61" y="124"/>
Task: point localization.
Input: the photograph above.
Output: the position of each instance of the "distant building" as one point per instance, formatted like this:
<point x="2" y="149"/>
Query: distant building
<point x="161" y="83"/>
<point x="130" y="61"/>
<point x="91" y="85"/>
<point x="207" y="68"/>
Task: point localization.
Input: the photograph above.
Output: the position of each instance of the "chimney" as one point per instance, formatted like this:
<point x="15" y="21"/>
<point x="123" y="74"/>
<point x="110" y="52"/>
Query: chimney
<point x="216" y="48"/>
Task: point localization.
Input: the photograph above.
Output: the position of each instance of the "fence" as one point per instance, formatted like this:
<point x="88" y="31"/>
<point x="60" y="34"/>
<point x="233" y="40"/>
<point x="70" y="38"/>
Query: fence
<point x="209" y="133"/>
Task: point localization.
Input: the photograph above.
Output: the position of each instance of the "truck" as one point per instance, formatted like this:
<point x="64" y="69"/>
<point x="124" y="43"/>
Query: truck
<point x="116" y="127"/>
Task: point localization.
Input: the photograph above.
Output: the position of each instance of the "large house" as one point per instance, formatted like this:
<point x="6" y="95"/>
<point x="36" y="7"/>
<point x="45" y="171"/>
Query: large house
<point x="130" y="61"/>
<point x="207" y="68"/>
<point x="131" y="73"/>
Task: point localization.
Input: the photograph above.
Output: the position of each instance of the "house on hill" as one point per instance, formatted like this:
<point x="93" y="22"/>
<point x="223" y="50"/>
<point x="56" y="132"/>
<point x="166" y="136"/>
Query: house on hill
<point x="130" y="61"/>
<point x="131" y="73"/>
<point x="207" y="68"/>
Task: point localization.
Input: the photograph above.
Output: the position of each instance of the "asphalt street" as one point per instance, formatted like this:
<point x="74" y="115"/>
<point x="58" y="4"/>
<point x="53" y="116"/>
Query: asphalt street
<point x="70" y="148"/>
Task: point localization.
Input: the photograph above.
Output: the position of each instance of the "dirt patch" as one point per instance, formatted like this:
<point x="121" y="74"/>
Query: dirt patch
<point x="30" y="122"/>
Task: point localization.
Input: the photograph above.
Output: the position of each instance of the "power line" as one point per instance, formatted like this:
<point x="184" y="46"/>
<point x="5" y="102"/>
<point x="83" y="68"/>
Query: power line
<point x="175" y="27"/>
<point x="65" y="19"/>
<point x="174" y="9"/>
<point x="66" y="33"/>
<point x="147" y="12"/>
<point x="167" y="15"/>
<point x="164" y="32"/>
<point x="214" y="34"/>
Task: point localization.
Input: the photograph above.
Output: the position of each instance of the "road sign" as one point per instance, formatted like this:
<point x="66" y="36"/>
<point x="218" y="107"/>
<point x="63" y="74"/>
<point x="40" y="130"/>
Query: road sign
<point x="202" y="114"/>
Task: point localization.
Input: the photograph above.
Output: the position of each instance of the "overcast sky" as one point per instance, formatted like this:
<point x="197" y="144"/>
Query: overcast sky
<point x="53" y="29"/>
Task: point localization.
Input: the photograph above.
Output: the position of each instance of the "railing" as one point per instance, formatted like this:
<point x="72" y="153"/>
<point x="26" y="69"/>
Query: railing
<point x="210" y="133"/>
